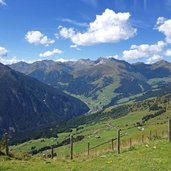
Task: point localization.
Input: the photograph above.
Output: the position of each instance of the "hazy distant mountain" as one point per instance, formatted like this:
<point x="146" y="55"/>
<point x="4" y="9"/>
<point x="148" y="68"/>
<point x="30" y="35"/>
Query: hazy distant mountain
<point x="157" y="70"/>
<point x="26" y="103"/>
<point x="100" y="82"/>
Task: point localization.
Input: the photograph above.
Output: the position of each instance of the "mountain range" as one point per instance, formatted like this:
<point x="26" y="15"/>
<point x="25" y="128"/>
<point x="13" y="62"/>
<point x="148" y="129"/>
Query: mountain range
<point x="102" y="82"/>
<point x="28" y="104"/>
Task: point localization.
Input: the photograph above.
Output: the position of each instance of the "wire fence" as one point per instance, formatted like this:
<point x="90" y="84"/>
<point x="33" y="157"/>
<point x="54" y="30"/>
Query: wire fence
<point x="76" y="150"/>
<point x="116" y="144"/>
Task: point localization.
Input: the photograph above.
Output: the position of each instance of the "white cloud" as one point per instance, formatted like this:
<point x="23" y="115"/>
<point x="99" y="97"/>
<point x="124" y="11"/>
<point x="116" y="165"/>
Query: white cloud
<point x="154" y="59"/>
<point x="65" y="60"/>
<point x="9" y="61"/>
<point x="108" y="27"/>
<point x="6" y="61"/>
<point x="3" y="52"/>
<point x="66" y="33"/>
<point x="160" y="20"/>
<point x="61" y="60"/>
<point x="37" y="38"/>
<point x="51" y="53"/>
<point x="144" y="51"/>
<point x="75" y="47"/>
<point x="163" y="25"/>
<point x="3" y="57"/>
<point x="168" y="52"/>
<point x="2" y="2"/>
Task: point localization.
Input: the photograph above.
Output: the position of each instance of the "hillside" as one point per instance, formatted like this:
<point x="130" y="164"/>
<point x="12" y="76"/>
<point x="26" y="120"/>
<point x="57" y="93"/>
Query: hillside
<point x="102" y="82"/>
<point x="85" y="85"/>
<point x="102" y="126"/>
<point x="140" y="158"/>
<point x="137" y="119"/>
<point x="27" y="104"/>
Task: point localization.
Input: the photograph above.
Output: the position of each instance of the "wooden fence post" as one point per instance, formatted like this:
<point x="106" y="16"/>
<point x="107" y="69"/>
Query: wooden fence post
<point x="169" y="130"/>
<point x="112" y="144"/>
<point x="71" y="147"/>
<point x="52" y="152"/>
<point x="118" y="141"/>
<point x="142" y="138"/>
<point x="6" y="144"/>
<point x="130" y="143"/>
<point x="150" y="135"/>
<point x="88" y="148"/>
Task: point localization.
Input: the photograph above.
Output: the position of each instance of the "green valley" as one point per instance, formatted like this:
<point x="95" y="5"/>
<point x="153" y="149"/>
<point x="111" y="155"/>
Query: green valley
<point x="103" y="82"/>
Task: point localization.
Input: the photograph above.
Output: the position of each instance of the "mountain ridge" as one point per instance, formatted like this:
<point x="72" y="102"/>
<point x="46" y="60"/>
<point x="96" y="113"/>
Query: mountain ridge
<point x="27" y="103"/>
<point x="102" y="81"/>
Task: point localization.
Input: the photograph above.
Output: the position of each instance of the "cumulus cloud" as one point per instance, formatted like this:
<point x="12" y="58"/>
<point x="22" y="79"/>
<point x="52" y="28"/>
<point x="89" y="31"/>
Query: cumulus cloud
<point x="3" y="52"/>
<point x="3" y="57"/>
<point x="51" y="53"/>
<point x="153" y="59"/>
<point x="160" y="20"/>
<point x="66" y="33"/>
<point x="9" y="61"/>
<point x="2" y="2"/>
<point x="6" y="61"/>
<point x="37" y="38"/>
<point x="144" y="51"/>
<point x="63" y="60"/>
<point x="108" y="27"/>
<point x="168" y="52"/>
<point x="164" y="26"/>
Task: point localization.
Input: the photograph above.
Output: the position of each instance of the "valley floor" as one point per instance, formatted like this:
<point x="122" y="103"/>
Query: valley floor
<point x="155" y="156"/>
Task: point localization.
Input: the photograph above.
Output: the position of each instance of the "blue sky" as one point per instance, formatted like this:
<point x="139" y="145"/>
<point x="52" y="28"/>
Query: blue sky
<point x="132" y="30"/>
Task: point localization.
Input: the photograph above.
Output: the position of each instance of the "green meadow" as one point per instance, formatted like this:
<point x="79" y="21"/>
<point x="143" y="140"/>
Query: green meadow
<point x="146" y="157"/>
<point x="151" y="153"/>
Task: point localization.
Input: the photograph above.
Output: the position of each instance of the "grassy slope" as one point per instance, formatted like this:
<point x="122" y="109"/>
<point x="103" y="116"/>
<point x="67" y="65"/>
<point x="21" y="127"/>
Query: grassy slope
<point x="104" y="97"/>
<point x="155" y="157"/>
<point x="106" y="129"/>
